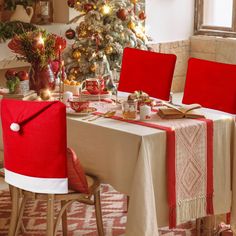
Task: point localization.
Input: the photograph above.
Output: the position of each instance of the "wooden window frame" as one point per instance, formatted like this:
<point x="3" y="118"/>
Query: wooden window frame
<point x="201" y="29"/>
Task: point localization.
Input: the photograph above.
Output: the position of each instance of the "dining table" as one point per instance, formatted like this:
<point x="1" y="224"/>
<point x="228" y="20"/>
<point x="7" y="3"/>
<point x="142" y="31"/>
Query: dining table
<point x="131" y="157"/>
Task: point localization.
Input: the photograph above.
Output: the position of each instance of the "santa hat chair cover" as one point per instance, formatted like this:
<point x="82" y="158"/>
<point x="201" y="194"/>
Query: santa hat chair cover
<point x="34" y="138"/>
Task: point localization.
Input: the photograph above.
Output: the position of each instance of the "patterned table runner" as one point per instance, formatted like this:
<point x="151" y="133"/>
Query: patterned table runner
<point x="189" y="166"/>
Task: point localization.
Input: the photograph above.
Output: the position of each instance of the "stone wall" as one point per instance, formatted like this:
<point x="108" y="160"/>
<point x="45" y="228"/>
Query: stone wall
<point x="181" y="49"/>
<point x="213" y="48"/>
<point x="205" y="47"/>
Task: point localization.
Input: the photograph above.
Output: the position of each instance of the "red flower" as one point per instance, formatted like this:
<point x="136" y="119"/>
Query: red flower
<point x="15" y="45"/>
<point x="60" y="44"/>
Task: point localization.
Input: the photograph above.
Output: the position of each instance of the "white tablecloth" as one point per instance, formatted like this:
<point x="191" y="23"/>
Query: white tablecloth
<point x="132" y="158"/>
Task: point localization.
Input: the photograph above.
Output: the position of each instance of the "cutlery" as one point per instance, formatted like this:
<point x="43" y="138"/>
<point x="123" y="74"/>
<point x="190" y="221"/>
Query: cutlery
<point x="88" y="117"/>
<point x="105" y="115"/>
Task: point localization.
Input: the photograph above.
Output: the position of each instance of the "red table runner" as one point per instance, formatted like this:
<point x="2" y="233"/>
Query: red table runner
<point x="171" y="165"/>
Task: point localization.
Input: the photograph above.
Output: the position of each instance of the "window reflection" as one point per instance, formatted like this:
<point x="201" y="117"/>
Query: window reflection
<point x="218" y="13"/>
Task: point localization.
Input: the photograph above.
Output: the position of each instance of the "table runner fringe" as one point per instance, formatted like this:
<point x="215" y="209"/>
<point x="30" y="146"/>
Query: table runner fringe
<point x="191" y="209"/>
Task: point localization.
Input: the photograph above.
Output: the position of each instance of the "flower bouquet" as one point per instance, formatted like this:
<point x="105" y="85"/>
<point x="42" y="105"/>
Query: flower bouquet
<point x="40" y="49"/>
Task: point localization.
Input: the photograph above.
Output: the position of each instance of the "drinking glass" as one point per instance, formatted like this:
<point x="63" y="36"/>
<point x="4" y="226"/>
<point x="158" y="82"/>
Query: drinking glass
<point x="99" y="72"/>
<point x="129" y="109"/>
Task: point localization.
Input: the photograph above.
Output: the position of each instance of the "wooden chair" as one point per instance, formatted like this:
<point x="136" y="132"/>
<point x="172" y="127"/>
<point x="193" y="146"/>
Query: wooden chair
<point x="211" y="84"/>
<point x="148" y="71"/>
<point x="35" y="163"/>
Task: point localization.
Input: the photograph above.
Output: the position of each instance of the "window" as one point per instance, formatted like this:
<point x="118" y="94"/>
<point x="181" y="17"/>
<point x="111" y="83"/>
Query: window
<point x="215" y="17"/>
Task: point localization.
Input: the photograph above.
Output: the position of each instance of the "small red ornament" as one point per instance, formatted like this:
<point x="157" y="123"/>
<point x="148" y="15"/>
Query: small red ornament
<point x="122" y="14"/>
<point x="88" y="7"/>
<point x="71" y="3"/>
<point x="70" y="34"/>
<point x="142" y="15"/>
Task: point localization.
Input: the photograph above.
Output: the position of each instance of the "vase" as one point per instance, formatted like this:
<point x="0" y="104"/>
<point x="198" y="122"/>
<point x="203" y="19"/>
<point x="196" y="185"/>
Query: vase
<point x="41" y="78"/>
<point x="22" y="14"/>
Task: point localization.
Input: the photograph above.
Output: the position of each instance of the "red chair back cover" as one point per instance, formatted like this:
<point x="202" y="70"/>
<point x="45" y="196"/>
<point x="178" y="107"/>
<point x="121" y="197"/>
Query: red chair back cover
<point x="148" y="71"/>
<point x="211" y="84"/>
<point x="35" y="156"/>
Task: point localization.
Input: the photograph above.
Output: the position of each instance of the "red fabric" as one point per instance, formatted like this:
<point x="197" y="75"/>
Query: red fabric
<point x="148" y="71"/>
<point x="171" y="175"/>
<point x="210" y="185"/>
<point x="211" y="84"/>
<point x="76" y="176"/>
<point x="39" y="148"/>
<point x="88" y="93"/>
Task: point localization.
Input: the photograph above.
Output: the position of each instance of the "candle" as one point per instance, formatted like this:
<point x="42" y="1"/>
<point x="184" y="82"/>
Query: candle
<point x="60" y="54"/>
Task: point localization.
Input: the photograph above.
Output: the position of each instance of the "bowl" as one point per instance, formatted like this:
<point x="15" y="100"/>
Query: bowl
<point x="79" y="105"/>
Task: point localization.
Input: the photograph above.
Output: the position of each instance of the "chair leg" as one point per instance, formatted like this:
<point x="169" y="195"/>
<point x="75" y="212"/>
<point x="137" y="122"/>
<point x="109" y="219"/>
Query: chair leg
<point x="208" y="225"/>
<point x="50" y="215"/>
<point x="98" y="212"/>
<point x="64" y="220"/>
<point x="14" y="210"/>
<point x="198" y="226"/>
<point x="21" y="211"/>
<point x="127" y="203"/>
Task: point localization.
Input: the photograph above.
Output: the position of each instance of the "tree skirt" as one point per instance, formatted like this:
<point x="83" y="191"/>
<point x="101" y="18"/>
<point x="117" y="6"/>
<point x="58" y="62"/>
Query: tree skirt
<point x="81" y="217"/>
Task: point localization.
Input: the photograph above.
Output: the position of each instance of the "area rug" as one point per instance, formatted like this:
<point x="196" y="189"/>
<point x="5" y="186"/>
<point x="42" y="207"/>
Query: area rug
<point x="81" y="218"/>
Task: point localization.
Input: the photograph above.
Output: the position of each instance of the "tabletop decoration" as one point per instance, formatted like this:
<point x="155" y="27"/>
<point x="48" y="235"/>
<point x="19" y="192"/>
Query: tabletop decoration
<point x="39" y="48"/>
<point x="17" y="82"/>
<point x="142" y="98"/>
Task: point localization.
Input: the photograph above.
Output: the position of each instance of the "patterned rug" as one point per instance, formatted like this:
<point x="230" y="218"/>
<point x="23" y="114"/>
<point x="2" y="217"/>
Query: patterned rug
<point x="81" y="218"/>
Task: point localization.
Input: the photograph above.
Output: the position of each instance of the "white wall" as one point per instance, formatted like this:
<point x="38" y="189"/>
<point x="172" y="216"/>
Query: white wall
<point x="169" y="20"/>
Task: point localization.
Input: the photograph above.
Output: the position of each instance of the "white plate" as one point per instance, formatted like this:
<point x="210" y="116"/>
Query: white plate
<point x="82" y="113"/>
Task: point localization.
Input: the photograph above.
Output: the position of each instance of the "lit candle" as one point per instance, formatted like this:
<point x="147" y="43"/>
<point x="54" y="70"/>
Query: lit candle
<point x="60" y="54"/>
<point x="62" y="71"/>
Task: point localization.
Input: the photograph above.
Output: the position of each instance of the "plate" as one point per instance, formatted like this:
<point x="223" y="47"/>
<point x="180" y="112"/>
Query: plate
<point x="93" y="97"/>
<point x="86" y="112"/>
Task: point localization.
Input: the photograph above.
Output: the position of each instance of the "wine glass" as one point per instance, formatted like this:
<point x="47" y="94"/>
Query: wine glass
<point x="115" y="79"/>
<point x="99" y="72"/>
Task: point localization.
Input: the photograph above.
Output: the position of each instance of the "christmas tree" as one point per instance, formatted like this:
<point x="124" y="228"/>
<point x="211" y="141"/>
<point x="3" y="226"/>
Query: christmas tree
<point x="105" y="28"/>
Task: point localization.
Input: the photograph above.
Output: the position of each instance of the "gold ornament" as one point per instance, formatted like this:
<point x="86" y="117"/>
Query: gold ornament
<point x="134" y="1"/>
<point x="76" y="54"/>
<point x="93" y="67"/>
<point x="131" y="25"/>
<point x="71" y="77"/>
<point x="105" y="9"/>
<point x="109" y="50"/>
<point x="45" y="94"/>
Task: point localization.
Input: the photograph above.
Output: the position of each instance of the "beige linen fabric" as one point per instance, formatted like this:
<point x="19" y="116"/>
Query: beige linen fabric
<point x="132" y="159"/>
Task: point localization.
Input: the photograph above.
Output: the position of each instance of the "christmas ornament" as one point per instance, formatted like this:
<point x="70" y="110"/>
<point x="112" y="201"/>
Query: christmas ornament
<point x="71" y="3"/>
<point x="88" y="7"/>
<point x="76" y="54"/>
<point x="93" y="67"/>
<point x="70" y="34"/>
<point x="71" y="77"/>
<point x="134" y="1"/>
<point x="131" y="25"/>
<point x="45" y="94"/>
<point x="122" y="14"/>
<point x="109" y="50"/>
<point x="105" y="9"/>
<point x="83" y="31"/>
<point x="74" y="70"/>
<point x="142" y="15"/>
